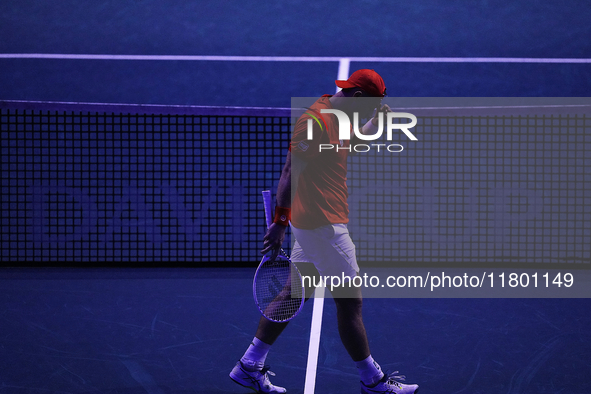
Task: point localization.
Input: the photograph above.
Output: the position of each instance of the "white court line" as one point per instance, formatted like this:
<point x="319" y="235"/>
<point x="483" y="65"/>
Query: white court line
<point x="67" y="56"/>
<point x="343" y="72"/>
<point x="313" y="348"/>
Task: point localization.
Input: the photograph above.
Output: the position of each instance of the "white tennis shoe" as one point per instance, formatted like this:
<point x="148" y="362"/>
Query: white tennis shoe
<point x="390" y="385"/>
<point x="257" y="381"/>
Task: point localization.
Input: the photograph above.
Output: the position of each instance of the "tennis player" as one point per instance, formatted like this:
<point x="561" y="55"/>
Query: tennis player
<point x="312" y="195"/>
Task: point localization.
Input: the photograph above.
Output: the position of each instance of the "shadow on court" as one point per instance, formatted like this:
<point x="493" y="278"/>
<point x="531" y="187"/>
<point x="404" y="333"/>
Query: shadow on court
<point x="181" y="330"/>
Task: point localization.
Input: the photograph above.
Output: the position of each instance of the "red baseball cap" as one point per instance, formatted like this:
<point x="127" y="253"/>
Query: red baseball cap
<point x="367" y="80"/>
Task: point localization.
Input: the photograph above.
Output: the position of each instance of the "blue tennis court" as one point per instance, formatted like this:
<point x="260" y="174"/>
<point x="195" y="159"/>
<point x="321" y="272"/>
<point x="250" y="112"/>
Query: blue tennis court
<point x="180" y="330"/>
<point x="552" y="36"/>
<point x="130" y="239"/>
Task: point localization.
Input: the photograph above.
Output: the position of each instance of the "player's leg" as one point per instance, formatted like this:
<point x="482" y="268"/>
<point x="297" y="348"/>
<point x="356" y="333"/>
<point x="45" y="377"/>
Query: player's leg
<point x="349" y="303"/>
<point x="251" y="371"/>
<point x="350" y="322"/>
<point x="333" y="253"/>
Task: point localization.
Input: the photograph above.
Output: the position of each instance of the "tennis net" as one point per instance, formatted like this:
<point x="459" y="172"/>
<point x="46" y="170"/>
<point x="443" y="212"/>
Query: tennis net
<point x="145" y="183"/>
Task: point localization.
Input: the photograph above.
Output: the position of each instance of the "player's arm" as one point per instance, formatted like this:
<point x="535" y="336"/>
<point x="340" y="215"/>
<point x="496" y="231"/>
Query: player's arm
<point x="371" y="127"/>
<point x="285" y="191"/>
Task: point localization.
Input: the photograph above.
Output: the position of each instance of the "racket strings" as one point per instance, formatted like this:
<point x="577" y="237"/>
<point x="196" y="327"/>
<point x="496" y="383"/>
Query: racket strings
<point x="279" y="291"/>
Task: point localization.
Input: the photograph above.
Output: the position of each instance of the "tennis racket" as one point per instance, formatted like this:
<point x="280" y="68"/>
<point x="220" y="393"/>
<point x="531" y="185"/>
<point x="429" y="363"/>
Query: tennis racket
<point x="277" y="286"/>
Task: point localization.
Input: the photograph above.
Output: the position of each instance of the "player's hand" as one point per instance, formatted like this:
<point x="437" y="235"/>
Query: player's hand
<point x="273" y="240"/>
<point x="385" y="109"/>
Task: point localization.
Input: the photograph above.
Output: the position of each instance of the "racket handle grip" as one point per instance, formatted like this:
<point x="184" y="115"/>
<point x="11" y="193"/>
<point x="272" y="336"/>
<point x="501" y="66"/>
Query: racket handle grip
<point x="268" y="207"/>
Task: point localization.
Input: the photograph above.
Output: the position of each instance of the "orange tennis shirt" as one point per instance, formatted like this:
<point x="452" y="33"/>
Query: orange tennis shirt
<point x="321" y="195"/>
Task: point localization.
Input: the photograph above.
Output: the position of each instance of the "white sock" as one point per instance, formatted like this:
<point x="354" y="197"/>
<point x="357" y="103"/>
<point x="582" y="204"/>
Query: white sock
<point x="370" y="371"/>
<point x="256" y="354"/>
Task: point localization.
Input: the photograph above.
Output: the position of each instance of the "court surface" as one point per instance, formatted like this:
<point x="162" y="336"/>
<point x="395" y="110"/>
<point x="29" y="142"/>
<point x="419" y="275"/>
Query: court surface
<point x="260" y="54"/>
<point x="181" y="330"/>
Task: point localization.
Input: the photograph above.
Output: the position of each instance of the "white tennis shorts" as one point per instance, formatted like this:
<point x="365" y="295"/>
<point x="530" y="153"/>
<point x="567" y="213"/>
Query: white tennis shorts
<point x="329" y="248"/>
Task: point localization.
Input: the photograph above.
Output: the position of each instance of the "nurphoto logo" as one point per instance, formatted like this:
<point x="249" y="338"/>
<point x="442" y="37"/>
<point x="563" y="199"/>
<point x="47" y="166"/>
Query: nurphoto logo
<point x="345" y="130"/>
